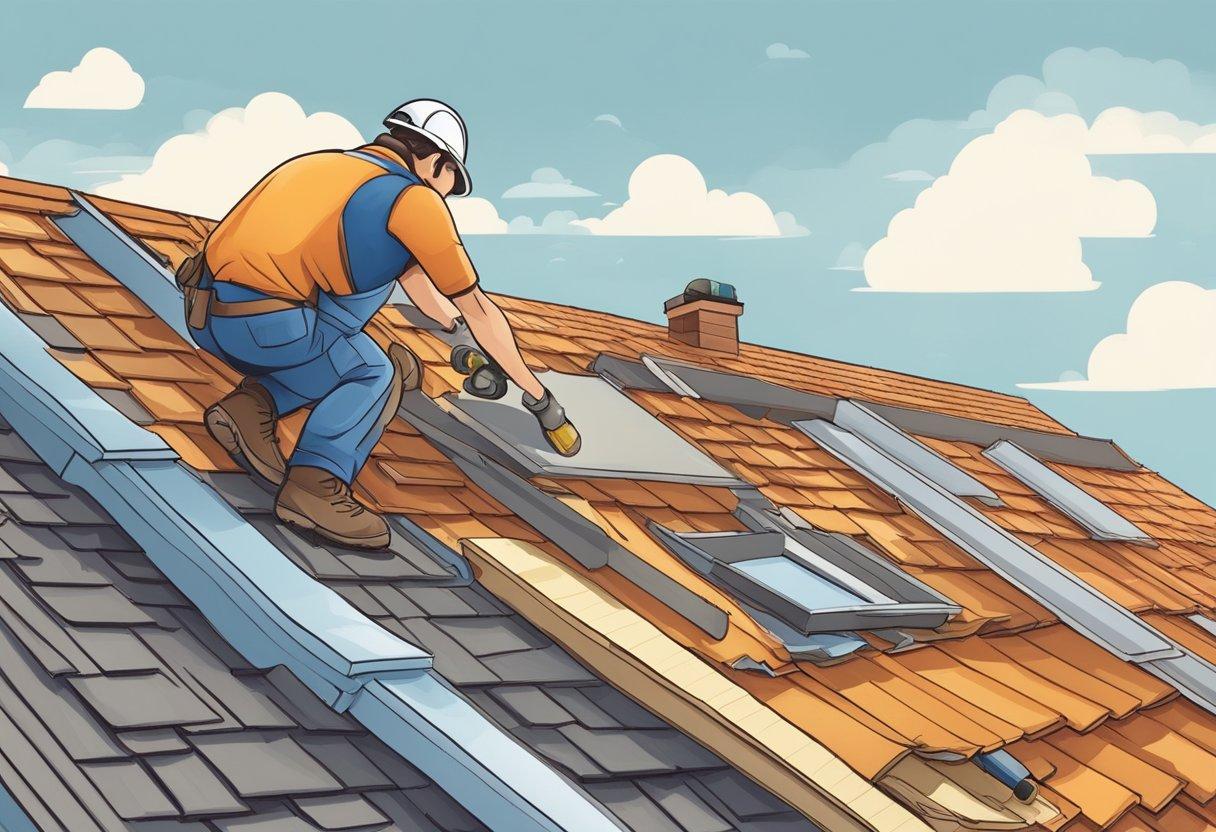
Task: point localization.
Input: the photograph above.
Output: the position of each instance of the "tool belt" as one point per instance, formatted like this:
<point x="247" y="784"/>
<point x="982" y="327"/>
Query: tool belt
<point x="200" y="300"/>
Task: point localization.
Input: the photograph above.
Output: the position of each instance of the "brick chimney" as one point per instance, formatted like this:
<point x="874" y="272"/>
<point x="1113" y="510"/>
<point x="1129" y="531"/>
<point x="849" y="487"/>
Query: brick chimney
<point x="706" y="315"/>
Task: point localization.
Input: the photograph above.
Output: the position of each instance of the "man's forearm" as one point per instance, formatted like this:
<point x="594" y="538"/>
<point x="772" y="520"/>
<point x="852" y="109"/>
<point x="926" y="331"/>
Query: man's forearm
<point x="493" y="333"/>
<point x="423" y="294"/>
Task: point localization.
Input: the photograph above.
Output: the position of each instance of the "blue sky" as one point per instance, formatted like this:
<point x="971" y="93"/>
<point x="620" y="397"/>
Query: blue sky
<point x="886" y="97"/>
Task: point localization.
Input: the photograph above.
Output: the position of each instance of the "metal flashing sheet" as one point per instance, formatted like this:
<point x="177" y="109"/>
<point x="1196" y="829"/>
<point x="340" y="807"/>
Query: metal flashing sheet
<point x="620" y="438"/>
<point x="1101" y="521"/>
<point x="876" y="430"/>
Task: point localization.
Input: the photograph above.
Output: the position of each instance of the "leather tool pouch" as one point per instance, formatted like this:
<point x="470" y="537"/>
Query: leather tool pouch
<point x="189" y="276"/>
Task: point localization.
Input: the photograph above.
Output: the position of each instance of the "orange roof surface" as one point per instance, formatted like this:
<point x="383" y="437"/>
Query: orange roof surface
<point x="1113" y="746"/>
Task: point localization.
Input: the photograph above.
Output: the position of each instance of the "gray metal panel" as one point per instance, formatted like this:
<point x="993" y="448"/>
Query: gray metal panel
<point x="1068" y="448"/>
<point x="127" y="260"/>
<point x="603" y="416"/>
<point x="1050" y="584"/>
<point x="1099" y="519"/>
<point x="876" y="430"/>
<point x="729" y="388"/>
<point x="627" y="374"/>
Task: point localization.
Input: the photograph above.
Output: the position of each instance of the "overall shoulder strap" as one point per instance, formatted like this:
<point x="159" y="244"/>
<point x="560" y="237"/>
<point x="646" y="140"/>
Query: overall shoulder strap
<point x="385" y="164"/>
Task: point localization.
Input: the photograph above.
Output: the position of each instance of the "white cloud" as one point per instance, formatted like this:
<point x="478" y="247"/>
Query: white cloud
<point x="103" y="80"/>
<point x="1009" y="215"/>
<point x="475" y="215"/>
<point x="208" y="171"/>
<point x="782" y="52"/>
<point x="1123" y="130"/>
<point x="1168" y="345"/>
<point x="608" y="118"/>
<point x="850" y="258"/>
<point x="3" y="169"/>
<point x="910" y="176"/>
<point x="554" y="222"/>
<point x="547" y="183"/>
<point x="668" y="197"/>
<point x="788" y="225"/>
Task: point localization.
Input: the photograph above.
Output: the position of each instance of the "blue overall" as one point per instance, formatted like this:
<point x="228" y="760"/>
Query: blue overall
<point x="321" y="357"/>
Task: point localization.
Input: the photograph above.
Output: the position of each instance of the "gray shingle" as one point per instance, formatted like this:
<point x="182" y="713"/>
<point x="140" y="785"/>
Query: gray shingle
<point x="392" y="600"/>
<point x="258" y="764"/>
<point x="127" y="405"/>
<point x="362" y="762"/>
<point x="633" y="807"/>
<point x="339" y="812"/>
<point x="153" y="741"/>
<point x="403" y="813"/>
<point x="66" y="568"/>
<point x="93" y="538"/>
<point x="12" y="447"/>
<point x="115" y="650"/>
<point x="438" y="601"/>
<point x="41" y="633"/>
<point x="621" y="708"/>
<point x="149" y="700"/>
<point x="640" y="752"/>
<point x="744" y="797"/>
<point x="532" y="705"/>
<point x="55" y="334"/>
<point x="550" y="744"/>
<point x="314" y="559"/>
<point x="386" y="565"/>
<point x="30" y="541"/>
<point x="456" y="664"/>
<point x="581" y="708"/>
<point x="684" y="806"/>
<point x="549" y="664"/>
<point x="130" y="790"/>
<point x="92" y="605"/>
<point x="271" y="820"/>
<point x="361" y="600"/>
<point x="30" y="509"/>
<point x="194" y="785"/>
<point x="210" y="679"/>
<point x="491" y="635"/>
<point x="134" y="566"/>
<point x="241" y="491"/>
<point x="301" y="704"/>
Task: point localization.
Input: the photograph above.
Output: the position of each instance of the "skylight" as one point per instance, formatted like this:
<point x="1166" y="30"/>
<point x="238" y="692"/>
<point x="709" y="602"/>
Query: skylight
<point x="620" y="439"/>
<point x="809" y="581"/>
<point x="1102" y="522"/>
<point x="797" y="583"/>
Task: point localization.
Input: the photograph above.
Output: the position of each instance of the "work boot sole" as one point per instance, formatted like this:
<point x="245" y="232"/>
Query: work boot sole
<point x="294" y="518"/>
<point x="222" y="429"/>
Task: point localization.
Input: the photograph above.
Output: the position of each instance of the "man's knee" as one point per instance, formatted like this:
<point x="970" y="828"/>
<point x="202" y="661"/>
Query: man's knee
<point x="375" y="369"/>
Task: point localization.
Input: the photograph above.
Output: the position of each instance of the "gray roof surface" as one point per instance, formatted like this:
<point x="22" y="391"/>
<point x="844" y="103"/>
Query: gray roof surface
<point x="121" y="708"/>
<point x="651" y="776"/>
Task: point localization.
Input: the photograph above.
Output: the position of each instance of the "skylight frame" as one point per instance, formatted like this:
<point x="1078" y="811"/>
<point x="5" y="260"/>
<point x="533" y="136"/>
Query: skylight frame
<point x="718" y="556"/>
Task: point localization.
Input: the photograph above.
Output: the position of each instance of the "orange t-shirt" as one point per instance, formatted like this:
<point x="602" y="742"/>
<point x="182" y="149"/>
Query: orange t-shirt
<point x="338" y="223"/>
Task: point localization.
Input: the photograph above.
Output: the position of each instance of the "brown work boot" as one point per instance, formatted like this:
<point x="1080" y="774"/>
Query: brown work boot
<point x="243" y="423"/>
<point x="313" y="498"/>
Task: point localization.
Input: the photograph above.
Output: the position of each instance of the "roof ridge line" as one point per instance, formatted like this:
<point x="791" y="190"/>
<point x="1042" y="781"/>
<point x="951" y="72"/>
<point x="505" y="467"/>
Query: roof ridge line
<point x="260" y="602"/>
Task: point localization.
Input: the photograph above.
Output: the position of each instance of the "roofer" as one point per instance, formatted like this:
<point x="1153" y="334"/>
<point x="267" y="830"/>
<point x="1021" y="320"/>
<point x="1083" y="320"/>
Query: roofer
<point x="296" y="269"/>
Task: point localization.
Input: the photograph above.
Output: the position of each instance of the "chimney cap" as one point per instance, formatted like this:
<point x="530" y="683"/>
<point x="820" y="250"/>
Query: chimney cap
<point x="704" y="289"/>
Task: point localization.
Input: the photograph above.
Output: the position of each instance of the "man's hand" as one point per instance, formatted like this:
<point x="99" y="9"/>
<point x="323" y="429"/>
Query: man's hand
<point x="493" y="333"/>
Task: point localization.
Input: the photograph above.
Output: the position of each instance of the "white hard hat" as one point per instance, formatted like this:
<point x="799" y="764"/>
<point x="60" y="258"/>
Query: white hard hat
<point x="442" y="125"/>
